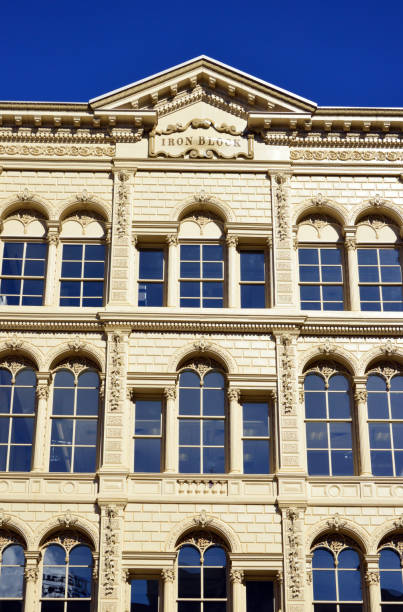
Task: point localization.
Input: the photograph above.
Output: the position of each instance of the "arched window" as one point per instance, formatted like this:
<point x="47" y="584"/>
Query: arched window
<point x="202" y="574"/>
<point x="379" y="264"/>
<point x="12" y="561"/>
<point x="329" y="437"/>
<point x="24" y="253"/>
<point x="202" y="258"/>
<point x="336" y="576"/>
<point x="83" y="260"/>
<point x="201" y="419"/>
<point x="17" y="416"/>
<point x="320" y="258"/>
<point x="390" y="573"/>
<point x="66" y="576"/>
<point x="74" y="418"/>
<point x="385" y="419"/>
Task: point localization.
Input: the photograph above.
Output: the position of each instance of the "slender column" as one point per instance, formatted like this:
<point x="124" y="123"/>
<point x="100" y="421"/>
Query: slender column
<point x="360" y="397"/>
<point x="233" y="281"/>
<point x="51" y="281"/>
<point x="31" y="574"/>
<point x="134" y="264"/>
<point x="235" y="421"/>
<point x="280" y="590"/>
<point x="269" y="272"/>
<point x="42" y="393"/>
<point x="351" y="245"/>
<point x="168" y="578"/>
<point x="236" y="577"/>
<point x="372" y="581"/>
<point x="172" y="298"/>
<point x="170" y="430"/>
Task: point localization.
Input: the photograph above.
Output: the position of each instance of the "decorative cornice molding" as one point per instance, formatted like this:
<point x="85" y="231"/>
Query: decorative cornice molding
<point x="318" y="155"/>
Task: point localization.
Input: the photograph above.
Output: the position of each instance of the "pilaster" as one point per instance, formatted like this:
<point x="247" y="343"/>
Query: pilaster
<point x="110" y="591"/>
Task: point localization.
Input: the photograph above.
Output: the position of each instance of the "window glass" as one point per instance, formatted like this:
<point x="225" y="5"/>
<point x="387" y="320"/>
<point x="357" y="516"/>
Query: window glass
<point x="82" y="277"/>
<point x="380" y="279"/>
<point x="385" y="414"/>
<point x="391" y="583"/>
<point x="337" y="580"/>
<point x="202" y="581"/>
<point x="74" y="422"/>
<point x="12" y="576"/>
<point x="67" y="576"/>
<point x="321" y="279"/>
<point x="328" y="426"/>
<point x="144" y="595"/>
<point x="201" y="276"/>
<point x="253" y="279"/>
<point x="147" y="436"/>
<point x="151" y="277"/>
<point x="22" y="280"/>
<point x="259" y="596"/>
<point x="256" y="438"/>
<point x="17" y="414"/>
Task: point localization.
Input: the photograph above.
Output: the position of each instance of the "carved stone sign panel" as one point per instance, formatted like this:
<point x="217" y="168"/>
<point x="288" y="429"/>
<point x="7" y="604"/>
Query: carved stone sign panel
<point x="201" y="138"/>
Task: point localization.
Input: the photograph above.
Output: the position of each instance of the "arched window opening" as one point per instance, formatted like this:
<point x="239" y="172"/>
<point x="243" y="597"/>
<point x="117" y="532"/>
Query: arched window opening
<point x="379" y="264"/>
<point x="390" y="572"/>
<point x="320" y="263"/>
<point x="74" y="418"/>
<point x="67" y="574"/>
<point x="385" y="419"/>
<point x="336" y="575"/>
<point x="201" y="261"/>
<point x="12" y="562"/>
<point x="202" y="409"/>
<point x="328" y="421"/>
<point x="17" y="415"/>
<point x="24" y="254"/>
<point x="202" y="574"/>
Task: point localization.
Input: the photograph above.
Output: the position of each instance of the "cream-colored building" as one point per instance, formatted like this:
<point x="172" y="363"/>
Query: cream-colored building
<point x="201" y="398"/>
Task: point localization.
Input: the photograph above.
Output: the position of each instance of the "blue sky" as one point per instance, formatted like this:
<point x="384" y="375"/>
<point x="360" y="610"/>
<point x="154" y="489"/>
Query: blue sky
<point x="343" y="53"/>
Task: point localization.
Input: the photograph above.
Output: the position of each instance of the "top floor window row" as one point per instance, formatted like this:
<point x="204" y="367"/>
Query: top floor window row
<point x="358" y="268"/>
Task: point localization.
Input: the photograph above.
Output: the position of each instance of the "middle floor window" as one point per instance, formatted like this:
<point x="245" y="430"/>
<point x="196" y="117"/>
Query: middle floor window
<point x="202" y="275"/>
<point x="380" y="279"/>
<point x="321" y="279"/>
<point x="82" y="277"/>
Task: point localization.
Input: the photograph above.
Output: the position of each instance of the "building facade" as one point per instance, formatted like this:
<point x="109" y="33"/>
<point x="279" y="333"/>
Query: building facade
<point x="201" y="349"/>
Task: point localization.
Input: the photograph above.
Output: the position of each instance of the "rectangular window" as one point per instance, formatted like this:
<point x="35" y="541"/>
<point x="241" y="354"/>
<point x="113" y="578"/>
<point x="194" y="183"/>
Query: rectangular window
<point x="321" y="279"/>
<point x="147" y="435"/>
<point x="151" y="277"/>
<point x="380" y="279"/>
<point x="144" y="595"/>
<point x="82" y="278"/>
<point x="256" y="438"/>
<point x="23" y="273"/>
<point x="253" y="279"/>
<point x="202" y="275"/>
<point x="259" y="596"/>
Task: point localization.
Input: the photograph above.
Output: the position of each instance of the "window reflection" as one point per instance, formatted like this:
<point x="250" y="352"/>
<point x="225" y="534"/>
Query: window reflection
<point x="12" y="577"/>
<point x="202" y="582"/>
<point x="390" y="574"/>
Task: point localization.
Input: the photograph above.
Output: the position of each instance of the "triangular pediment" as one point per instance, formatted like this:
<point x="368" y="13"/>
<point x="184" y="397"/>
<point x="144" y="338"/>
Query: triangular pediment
<point x="203" y="80"/>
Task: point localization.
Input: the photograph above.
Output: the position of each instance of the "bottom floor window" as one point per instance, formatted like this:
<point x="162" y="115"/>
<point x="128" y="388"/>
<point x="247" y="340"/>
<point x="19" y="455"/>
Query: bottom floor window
<point x="144" y="596"/>
<point x="259" y="596"/>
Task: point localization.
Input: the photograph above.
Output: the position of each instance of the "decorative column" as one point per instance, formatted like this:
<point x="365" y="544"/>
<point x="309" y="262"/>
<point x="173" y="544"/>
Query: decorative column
<point x="52" y="261"/>
<point x="31" y="575"/>
<point x="233" y="280"/>
<point x="293" y="546"/>
<point x="171" y="445"/>
<point x="309" y="578"/>
<point x="352" y="272"/>
<point x="235" y="422"/>
<point x="270" y="271"/>
<point x="360" y="397"/>
<point x="173" y="259"/>
<point x="168" y="578"/>
<point x="110" y="593"/>
<point x="236" y="577"/>
<point x="42" y="394"/>
<point x="280" y="590"/>
<point x="372" y="581"/>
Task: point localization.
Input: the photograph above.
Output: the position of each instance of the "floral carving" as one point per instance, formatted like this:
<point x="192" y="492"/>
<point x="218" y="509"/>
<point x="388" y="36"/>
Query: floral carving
<point x="110" y="540"/>
<point x="282" y="208"/>
<point x="335" y="523"/>
<point x="57" y="150"/>
<point x="202" y="540"/>
<point x="335" y="542"/>
<point x="76" y="345"/>
<point x="202" y="219"/>
<point x="42" y="392"/>
<point x="67" y="520"/>
<point x="231" y="240"/>
<point x="170" y="393"/>
<point x="387" y="370"/>
<point x="25" y="196"/>
<point x="326" y="369"/>
<point x="122" y="222"/>
<point x="68" y="540"/>
<point x="377" y="201"/>
<point x="201" y="365"/>
<point x="14" y="343"/>
<point x="116" y="371"/>
<point x="14" y="365"/>
<point x="389" y="347"/>
<point x="168" y="574"/>
<point x="319" y="200"/>
<point x="287" y="369"/>
<point x="236" y="576"/>
<point x="201" y="344"/>
<point x="399" y="523"/>
<point x="84" y="197"/>
<point x="31" y="574"/>
<point x="372" y="577"/>
<point x="360" y="395"/>
<point x="344" y="155"/>
<point x="293" y="541"/>
<point x="327" y="347"/>
<point x="4" y="518"/>
<point x="172" y="239"/>
<point x="350" y="244"/>
<point x="202" y="520"/>
<point x="233" y="394"/>
<point x="77" y="365"/>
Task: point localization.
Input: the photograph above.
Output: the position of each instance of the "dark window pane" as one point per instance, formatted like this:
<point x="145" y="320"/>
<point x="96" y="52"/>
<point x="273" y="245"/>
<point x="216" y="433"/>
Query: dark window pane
<point x="33" y="287"/>
<point x="70" y="289"/>
<point x="308" y="256"/>
<point x="189" y="379"/>
<point x="212" y="290"/>
<point x="215" y="556"/>
<point x="348" y="559"/>
<point x="54" y="581"/>
<point x="339" y="405"/>
<point x="63" y="401"/>
<point x="60" y="459"/>
<point x="309" y="274"/>
<point x="11" y="581"/>
<point x="33" y="267"/>
<point x="391" y="586"/>
<point x="71" y="269"/>
<point x="189" y="460"/>
<point x="213" y="460"/>
<point x="13" y="250"/>
<point x="324" y="585"/>
<point x="190" y="269"/>
<point x="151" y="294"/>
<point x="189" y="555"/>
<point x="376" y="383"/>
<point x="151" y="263"/>
<point x="93" y="289"/>
<point x="213" y="379"/>
<point x="389" y="559"/>
<point x="252" y="266"/>
<point x="189" y="582"/>
<point x="316" y="435"/>
<point x="256" y="457"/>
<point x="189" y="401"/>
<point x="212" y="252"/>
<point x="381" y="463"/>
<point x="78" y="606"/>
<point x="331" y="274"/>
<point x="94" y="269"/>
<point x="54" y="555"/>
<point x="391" y="275"/>
<point x="95" y="252"/>
<point x="62" y="431"/>
<point x="10" y="286"/>
<point x="379" y="435"/>
<point x="189" y="606"/>
<point x="148" y="418"/>
<point x="190" y="289"/>
<point x="333" y="293"/>
<point x="253" y="296"/>
<point x="214" y="606"/>
<point x="255" y="419"/>
<point x="22" y="430"/>
<point x="330" y="256"/>
<point x="24" y="400"/>
<point x="52" y="606"/>
<point x="314" y="382"/>
<point x="213" y="402"/>
<point x="310" y="292"/>
<point x="80" y="555"/>
<point x="13" y="555"/>
<point x="86" y="431"/>
<point x="87" y="401"/>
<point x="212" y="270"/>
<point x="315" y="405"/>
<point x="64" y="378"/>
<point x="84" y="459"/>
<point x="340" y="435"/>
<point x="144" y="595"/>
<point x="190" y="252"/>
<point x="147" y="455"/>
<point x="72" y="251"/>
<point x="342" y="463"/>
<point x="189" y="432"/>
<point x="20" y="458"/>
<point x="318" y="463"/>
<point x="5" y="397"/>
<point x="79" y="582"/>
<point x="213" y="432"/>
<point x="338" y="382"/>
<point x="259" y="596"/>
<point x="215" y="582"/>
<point x="378" y="405"/>
<point x="12" y="267"/>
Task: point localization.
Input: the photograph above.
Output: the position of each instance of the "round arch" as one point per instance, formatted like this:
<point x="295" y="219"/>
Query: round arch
<point x="14" y="524"/>
<point x="335" y="353"/>
<point x="349" y="528"/>
<point x="192" y="523"/>
<point x="74" y="522"/>
<point x="26" y="200"/>
<point x="387" y="528"/>
<point x="203" y="201"/>
<point x="23" y="350"/>
<point x="201" y="348"/>
<point x="376" y="355"/>
<point x="75" y="349"/>
<point x="386" y="208"/>
<point x="334" y="210"/>
<point x="85" y="201"/>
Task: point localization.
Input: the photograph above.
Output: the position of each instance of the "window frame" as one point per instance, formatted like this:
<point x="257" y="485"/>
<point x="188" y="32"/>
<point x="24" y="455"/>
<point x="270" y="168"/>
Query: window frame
<point x="138" y="396"/>
<point x="25" y="240"/>
<point x="146" y="575"/>
<point x="259" y="399"/>
<point x="361" y="246"/>
<point x="246" y="247"/>
<point x="389" y="605"/>
<point x="152" y="246"/>
<point x="337" y="245"/>
<point x="205" y="242"/>
<point x="251" y="576"/>
<point x="14" y="542"/>
<point x="84" y="242"/>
